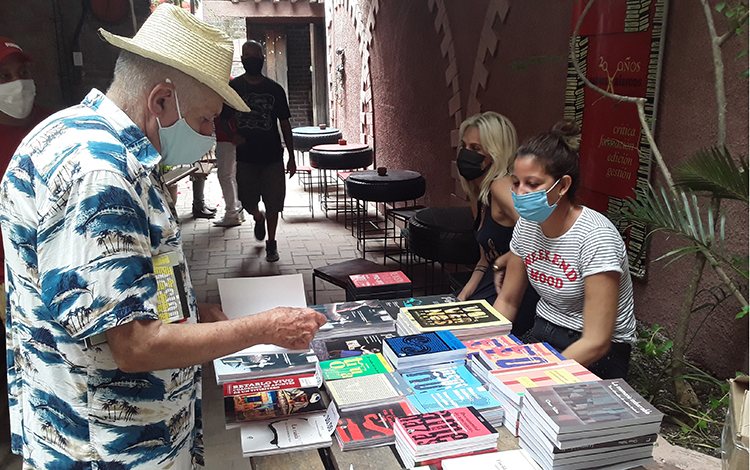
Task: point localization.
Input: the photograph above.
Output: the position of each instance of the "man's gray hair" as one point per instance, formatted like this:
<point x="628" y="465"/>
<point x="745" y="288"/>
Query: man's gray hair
<point x="136" y="76"/>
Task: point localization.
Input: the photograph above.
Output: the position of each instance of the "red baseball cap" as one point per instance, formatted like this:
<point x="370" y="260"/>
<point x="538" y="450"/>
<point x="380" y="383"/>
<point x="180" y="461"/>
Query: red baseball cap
<point x="8" y="47"/>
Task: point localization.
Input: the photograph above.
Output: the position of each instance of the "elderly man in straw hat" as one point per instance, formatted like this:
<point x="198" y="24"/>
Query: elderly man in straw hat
<point x="97" y="378"/>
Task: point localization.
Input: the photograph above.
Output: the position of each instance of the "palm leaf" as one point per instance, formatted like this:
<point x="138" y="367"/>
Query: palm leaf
<point x="714" y="171"/>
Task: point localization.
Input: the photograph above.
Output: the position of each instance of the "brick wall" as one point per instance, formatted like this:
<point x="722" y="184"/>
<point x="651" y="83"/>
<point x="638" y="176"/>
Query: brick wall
<point x="298" y="74"/>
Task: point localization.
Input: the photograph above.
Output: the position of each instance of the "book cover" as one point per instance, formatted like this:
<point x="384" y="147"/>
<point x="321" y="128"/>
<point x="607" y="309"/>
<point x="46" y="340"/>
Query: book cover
<point x="455" y="316"/>
<point x="364" y="391"/>
<point x="443" y="378"/>
<point x="474" y="346"/>
<point x="514" y="384"/>
<point x="592" y="405"/>
<point x="355" y="366"/>
<point x="361" y="313"/>
<point x="271" y="383"/>
<point x="348" y="346"/>
<point x="517" y="459"/>
<point x="422" y="344"/>
<point x="171" y="300"/>
<point x="520" y="355"/>
<point x="272" y="404"/>
<point x="476" y="396"/>
<point x="283" y="435"/>
<point x="246" y="366"/>
<point x="389" y="278"/>
<point x="370" y="424"/>
<point x="444" y="426"/>
<point x="393" y="306"/>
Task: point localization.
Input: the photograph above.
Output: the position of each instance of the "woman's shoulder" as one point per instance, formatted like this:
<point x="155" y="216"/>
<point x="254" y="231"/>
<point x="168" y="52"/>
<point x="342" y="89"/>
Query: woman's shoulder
<point x="594" y="224"/>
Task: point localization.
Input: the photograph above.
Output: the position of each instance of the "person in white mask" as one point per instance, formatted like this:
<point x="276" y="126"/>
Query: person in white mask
<point x="105" y="369"/>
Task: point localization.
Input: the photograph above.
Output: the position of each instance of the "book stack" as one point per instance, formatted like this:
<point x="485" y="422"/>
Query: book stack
<point x="257" y="362"/>
<point x="393" y="306"/>
<point x="386" y="285"/>
<point x="442" y="388"/>
<point x="588" y="425"/>
<point x="510" y="386"/>
<point x="370" y="427"/>
<point x="349" y="346"/>
<point x="275" y="397"/>
<point x="363" y="317"/>
<point x="497" y="342"/>
<point x="471" y="319"/>
<point x="517" y="459"/>
<point x="284" y="435"/>
<point x="424" y="350"/>
<point x="512" y="357"/>
<point x="369" y="390"/>
<point x="427" y="438"/>
<point x="355" y="366"/>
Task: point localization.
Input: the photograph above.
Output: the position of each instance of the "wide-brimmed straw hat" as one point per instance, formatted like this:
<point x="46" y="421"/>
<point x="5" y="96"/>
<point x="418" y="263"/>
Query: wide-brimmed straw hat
<point x="174" y="37"/>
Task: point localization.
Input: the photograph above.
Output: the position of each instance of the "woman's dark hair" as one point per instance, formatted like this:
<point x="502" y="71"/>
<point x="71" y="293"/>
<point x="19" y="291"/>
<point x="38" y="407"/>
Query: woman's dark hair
<point x="557" y="152"/>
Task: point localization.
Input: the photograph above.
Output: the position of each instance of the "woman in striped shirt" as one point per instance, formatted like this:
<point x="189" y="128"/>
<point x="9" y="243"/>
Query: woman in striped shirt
<point x="573" y="257"/>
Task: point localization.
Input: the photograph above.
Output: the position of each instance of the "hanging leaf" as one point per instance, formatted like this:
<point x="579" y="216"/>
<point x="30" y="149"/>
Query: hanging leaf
<point x="714" y="171"/>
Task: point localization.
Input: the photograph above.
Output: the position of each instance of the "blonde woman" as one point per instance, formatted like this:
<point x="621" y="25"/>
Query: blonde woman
<point x="488" y="144"/>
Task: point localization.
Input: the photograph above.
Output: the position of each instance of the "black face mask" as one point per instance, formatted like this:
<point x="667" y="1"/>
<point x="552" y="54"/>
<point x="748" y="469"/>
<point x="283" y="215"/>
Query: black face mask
<point x="253" y="65"/>
<point x="469" y="164"/>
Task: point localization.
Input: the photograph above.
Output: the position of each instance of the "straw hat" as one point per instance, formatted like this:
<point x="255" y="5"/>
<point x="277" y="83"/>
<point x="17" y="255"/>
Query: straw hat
<point x="174" y="37"/>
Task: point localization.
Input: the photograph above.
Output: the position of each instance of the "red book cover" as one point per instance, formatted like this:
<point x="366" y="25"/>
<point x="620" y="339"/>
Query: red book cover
<point x="370" y="423"/>
<point x="379" y="279"/>
<point x="246" y="387"/>
<point x="452" y="425"/>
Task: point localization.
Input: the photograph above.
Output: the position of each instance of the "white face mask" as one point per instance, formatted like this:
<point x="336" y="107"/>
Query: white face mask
<point x="180" y="144"/>
<point x="17" y="98"/>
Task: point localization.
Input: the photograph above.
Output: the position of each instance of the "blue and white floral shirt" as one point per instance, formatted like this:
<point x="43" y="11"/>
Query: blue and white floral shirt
<point x="83" y="213"/>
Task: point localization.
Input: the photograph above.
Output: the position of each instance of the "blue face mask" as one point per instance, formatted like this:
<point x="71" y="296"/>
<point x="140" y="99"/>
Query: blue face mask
<point x="180" y="144"/>
<point x="534" y="206"/>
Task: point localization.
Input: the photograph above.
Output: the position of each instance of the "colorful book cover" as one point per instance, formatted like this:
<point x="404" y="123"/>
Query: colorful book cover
<point x="444" y="426"/>
<point x="592" y="406"/>
<point x="356" y="366"/>
<point x="370" y="424"/>
<point x="474" y="346"/>
<point x="360" y="392"/>
<point x="455" y="316"/>
<point x="358" y="314"/>
<point x="519" y="356"/>
<point x="443" y="378"/>
<point x="427" y="343"/>
<point x="247" y="366"/>
<point x="337" y="348"/>
<point x="393" y="306"/>
<point x="272" y="404"/>
<point x="449" y="387"/>
<point x="171" y="300"/>
<point x="514" y="384"/>
<point x="245" y="387"/>
<point x="378" y="279"/>
<point x="283" y="435"/>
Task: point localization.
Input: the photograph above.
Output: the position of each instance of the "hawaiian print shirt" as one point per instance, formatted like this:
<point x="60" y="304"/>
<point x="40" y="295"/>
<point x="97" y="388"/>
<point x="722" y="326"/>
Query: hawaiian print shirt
<point x="83" y="213"/>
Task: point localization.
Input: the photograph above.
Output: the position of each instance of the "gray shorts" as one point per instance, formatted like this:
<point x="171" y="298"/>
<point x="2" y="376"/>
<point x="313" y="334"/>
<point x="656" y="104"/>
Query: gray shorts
<point x="256" y="181"/>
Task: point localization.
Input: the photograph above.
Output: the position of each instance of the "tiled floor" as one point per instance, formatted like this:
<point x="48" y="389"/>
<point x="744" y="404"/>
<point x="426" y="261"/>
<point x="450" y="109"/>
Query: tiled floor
<point x="304" y="244"/>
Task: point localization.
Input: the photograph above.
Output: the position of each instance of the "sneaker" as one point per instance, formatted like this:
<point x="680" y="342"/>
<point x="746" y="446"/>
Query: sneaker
<point x="229" y="221"/>
<point x="260" y="228"/>
<point x="272" y="253"/>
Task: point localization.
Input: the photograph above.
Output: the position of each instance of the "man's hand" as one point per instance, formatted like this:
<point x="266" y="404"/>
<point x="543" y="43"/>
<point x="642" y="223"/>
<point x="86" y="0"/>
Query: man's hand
<point x="291" y="167"/>
<point x="238" y="140"/>
<point x="208" y="313"/>
<point x="291" y="328"/>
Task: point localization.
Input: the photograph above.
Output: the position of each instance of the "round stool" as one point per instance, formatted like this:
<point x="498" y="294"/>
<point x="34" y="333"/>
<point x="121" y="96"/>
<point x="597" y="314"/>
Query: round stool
<point x="444" y="234"/>
<point x="394" y="185"/>
<point x="340" y="156"/>
<point x="305" y="138"/>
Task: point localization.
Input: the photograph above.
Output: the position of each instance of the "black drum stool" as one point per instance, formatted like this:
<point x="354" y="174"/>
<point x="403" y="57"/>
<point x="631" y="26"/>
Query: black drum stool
<point x="330" y="158"/>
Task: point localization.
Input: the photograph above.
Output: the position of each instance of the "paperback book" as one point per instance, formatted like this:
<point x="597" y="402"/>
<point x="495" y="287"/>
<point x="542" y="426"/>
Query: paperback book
<point x="348" y="346"/>
<point x="240" y="366"/>
<point x="272" y="404"/>
<point x="470" y="319"/>
<point x="370" y="427"/>
<point x="367" y="391"/>
<point x="245" y="387"/>
<point x="393" y="306"/>
<point x="413" y="351"/>
<point x="354" y="318"/>
<point x="520" y="355"/>
<point x="513" y="384"/>
<point x="283" y="435"/>
<point x="443" y="434"/>
<point x="376" y="285"/>
<point x="517" y="459"/>
<point x="356" y="366"/>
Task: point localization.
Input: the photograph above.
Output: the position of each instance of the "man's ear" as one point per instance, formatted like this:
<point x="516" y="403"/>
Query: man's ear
<point x="565" y="183"/>
<point x="160" y="99"/>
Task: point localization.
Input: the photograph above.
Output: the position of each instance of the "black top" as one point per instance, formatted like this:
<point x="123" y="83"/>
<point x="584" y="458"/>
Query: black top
<point x="267" y="102"/>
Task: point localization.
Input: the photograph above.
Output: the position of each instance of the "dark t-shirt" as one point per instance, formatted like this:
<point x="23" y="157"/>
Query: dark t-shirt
<point x="267" y="102"/>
